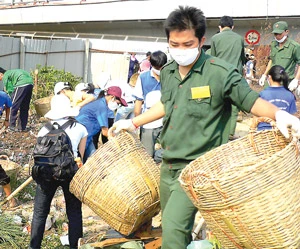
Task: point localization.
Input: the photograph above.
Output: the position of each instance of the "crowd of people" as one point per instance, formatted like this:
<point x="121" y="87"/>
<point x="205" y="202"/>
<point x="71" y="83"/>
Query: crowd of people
<point x="188" y="105"/>
<point x="198" y="92"/>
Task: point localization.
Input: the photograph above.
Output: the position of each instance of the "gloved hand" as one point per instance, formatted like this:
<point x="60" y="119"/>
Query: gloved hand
<point x="262" y="80"/>
<point x="285" y="120"/>
<point x="297" y="91"/>
<point x="293" y="84"/>
<point x="123" y="124"/>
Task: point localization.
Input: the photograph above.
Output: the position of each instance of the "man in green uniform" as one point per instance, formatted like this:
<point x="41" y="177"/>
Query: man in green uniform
<point x="229" y="46"/>
<point x="197" y="93"/>
<point x="18" y="84"/>
<point x="284" y="52"/>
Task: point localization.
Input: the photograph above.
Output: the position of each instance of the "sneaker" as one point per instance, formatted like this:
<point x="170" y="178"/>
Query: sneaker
<point x="25" y="130"/>
<point x="13" y="129"/>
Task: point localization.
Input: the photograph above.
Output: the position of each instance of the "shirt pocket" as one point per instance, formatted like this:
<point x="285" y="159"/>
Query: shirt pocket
<point x="199" y="108"/>
<point x="287" y="55"/>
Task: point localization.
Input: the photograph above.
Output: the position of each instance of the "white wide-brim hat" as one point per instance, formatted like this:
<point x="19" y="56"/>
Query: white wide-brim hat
<point x="61" y="108"/>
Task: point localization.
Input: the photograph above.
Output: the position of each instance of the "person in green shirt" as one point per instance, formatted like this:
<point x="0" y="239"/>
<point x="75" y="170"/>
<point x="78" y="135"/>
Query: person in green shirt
<point x="197" y="94"/>
<point x="229" y="46"/>
<point x="285" y="52"/>
<point x="19" y="85"/>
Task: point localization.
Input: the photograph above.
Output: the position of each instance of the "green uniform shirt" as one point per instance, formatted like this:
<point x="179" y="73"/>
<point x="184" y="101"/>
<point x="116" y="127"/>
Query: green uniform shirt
<point x="229" y="46"/>
<point x="192" y="127"/>
<point x="16" y="78"/>
<point x="288" y="56"/>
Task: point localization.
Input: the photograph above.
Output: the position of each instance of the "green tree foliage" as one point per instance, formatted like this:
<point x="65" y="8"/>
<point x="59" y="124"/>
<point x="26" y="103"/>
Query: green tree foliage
<point x="47" y="77"/>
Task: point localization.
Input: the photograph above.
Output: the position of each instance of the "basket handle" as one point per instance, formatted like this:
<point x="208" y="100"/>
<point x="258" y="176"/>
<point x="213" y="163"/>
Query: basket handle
<point x="253" y="128"/>
<point x="257" y="120"/>
<point x="213" y="181"/>
<point x="5" y="157"/>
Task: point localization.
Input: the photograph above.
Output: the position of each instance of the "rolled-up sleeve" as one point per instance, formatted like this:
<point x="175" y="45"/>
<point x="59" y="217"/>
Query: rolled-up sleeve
<point x="239" y="92"/>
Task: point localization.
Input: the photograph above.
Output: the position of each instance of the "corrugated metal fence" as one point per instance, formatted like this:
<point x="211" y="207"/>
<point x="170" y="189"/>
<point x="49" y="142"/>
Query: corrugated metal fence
<point x="75" y="56"/>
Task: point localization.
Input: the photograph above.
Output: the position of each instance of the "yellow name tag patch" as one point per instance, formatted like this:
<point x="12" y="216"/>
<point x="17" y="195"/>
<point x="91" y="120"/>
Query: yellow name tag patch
<point x="200" y="92"/>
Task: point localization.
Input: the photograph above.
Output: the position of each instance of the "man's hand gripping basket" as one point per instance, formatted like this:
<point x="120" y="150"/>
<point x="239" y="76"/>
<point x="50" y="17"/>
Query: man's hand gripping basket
<point x="120" y="183"/>
<point x="248" y="190"/>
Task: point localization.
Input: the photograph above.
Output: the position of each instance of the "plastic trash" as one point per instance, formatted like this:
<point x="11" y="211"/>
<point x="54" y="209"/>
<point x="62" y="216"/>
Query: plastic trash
<point x="200" y="244"/>
<point x="64" y="240"/>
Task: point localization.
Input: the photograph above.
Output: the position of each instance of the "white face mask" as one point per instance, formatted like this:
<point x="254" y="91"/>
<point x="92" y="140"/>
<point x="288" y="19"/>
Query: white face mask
<point x="184" y="57"/>
<point x="155" y="71"/>
<point x="113" y="105"/>
<point x="282" y="39"/>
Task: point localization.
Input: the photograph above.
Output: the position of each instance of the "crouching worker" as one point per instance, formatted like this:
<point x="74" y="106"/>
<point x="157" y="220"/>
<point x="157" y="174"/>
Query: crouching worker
<point x="72" y="136"/>
<point x="5" y="183"/>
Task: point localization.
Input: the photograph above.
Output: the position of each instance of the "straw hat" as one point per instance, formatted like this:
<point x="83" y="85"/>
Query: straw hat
<point x="61" y="108"/>
<point x="133" y="79"/>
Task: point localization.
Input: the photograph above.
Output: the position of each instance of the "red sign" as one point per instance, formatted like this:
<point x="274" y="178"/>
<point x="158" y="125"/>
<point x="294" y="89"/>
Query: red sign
<point x="252" y="37"/>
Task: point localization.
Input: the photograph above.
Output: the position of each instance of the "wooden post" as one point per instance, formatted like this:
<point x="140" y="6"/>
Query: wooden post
<point x="86" y="60"/>
<point x="36" y="78"/>
<point x="22" y="53"/>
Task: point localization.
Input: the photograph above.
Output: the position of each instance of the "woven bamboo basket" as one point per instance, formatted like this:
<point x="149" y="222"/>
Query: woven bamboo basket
<point x="120" y="183"/>
<point x="11" y="168"/>
<point x="248" y="190"/>
<point x="42" y="106"/>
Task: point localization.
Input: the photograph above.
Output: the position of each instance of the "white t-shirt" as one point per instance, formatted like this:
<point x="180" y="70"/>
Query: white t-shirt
<point x="151" y="99"/>
<point x="127" y="90"/>
<point x="76" y="133"/>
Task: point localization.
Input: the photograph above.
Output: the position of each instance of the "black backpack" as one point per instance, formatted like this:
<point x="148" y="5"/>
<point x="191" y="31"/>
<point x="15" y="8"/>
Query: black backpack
<point x="53" y="155"/>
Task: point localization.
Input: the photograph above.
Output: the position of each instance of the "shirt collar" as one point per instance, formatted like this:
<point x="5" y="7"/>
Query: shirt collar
<point x="226" y="29"/>
<point x="199" y="63"/>
<point x="286" y="44"/>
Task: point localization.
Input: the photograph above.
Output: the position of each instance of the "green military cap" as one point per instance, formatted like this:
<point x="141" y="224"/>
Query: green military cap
<point x="279" y="27"/>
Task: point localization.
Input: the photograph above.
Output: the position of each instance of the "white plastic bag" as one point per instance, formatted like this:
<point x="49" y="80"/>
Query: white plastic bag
<point x="200" y="244"/>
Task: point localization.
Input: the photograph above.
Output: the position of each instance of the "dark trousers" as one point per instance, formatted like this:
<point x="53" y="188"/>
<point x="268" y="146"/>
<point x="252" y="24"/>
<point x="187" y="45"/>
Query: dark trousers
<point x="21" y="97"/>
<point x="43" y="198"/>
<point x="149" y="138"/>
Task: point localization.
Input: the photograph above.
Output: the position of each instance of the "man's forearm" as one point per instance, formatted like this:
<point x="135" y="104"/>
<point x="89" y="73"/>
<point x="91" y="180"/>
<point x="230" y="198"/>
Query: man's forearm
<point x="137" y="107"/>
<point x="298" y="73"/>
<point x="155" y="112"/>
<point x="268" y="67"/>
<point x="263" y="108"/>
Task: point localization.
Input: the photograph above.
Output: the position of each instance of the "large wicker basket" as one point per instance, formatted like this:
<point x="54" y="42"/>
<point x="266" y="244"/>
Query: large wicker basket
<point x="42" y="106"/>
<point x="11" y="169"/>
<point x="120" y="183"/>
<point x="248" y="191"/>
